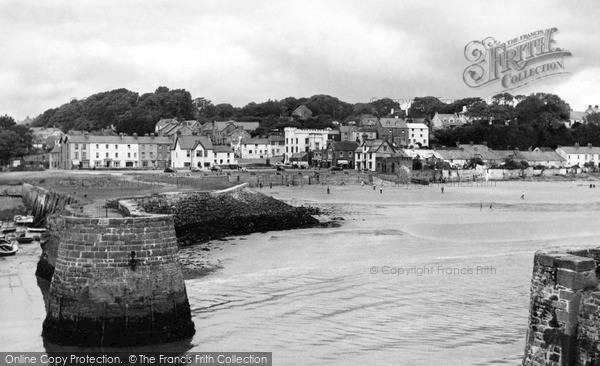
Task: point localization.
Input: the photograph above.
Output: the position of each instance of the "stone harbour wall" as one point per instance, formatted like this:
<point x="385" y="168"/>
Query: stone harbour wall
<point x="564" y="317"/>
<point x="203" y="216"/>
<point x="117" y="282"/>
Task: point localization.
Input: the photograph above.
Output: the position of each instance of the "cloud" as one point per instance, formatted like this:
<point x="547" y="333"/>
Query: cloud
<point x="240" y="51"/>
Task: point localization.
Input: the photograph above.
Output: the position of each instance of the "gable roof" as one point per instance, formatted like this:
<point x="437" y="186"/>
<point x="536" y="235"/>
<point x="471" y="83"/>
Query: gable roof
<point x="392" y="123"/>
<point x="191" y="142"/>
<point x="125" y="139"/>
<point x="164" y="122"/>
<point x="580" y="149"/>
<point x="343" y="145"/>
<point x="222" y="149"/>
<point x="256" y="141"/>
<point x="301" y="109"/>
<point x="247" y="126"/>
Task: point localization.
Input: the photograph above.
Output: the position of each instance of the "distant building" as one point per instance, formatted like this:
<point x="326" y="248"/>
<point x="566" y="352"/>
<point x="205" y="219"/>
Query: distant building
<point x="576" y="117"/>
<point x="418" y="134"/>
<point x="394" y="130"/>
<point x="340" y="153"/>
<point x="368" y="120"/>
<point x="579" y="155"/>
<point x="114" y="152"/>
<point x="257" y="148"/>
<point x="304" y="140"/>
<point x="192" y="151"/>
<point x="364" y="133"/>
<point x="223" y="155"/>
<point x="366" y="154"/>
<point x="277" y="145"/>
<point x="347" y="133"/>
<point x="302" y="112"/>
<point x="446" y="121"/>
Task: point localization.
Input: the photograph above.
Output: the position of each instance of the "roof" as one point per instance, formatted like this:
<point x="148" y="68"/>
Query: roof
<point x="257" y="141"/>
<point x="477" y="148"/>
<point x="539" y="156"/>
<point x="222" y="149"/>
<point x="300" y="155"/>
<point x="417" y="125"/>
<point x="301" y="109"/>
<point x="423" y="153"/>
<point x="454" y="154"/>
<point x="247" y="126"/>
<point x="164" y="122"/>
<point x="392" y="123"/>
<point x="55" y="150"/>
<point x="347" y="128"/>
<point x="277" y="138"/>
<point x="578" y="116"/>
<point x="367" y="129"/>
<point x="191" y="142"/>
<point x="343" y="145"/>
<point x="580" y="149"/>
<point x="125" y="139"/>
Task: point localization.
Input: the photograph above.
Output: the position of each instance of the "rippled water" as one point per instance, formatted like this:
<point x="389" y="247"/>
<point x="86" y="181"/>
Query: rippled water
<point x="309" y="296"/>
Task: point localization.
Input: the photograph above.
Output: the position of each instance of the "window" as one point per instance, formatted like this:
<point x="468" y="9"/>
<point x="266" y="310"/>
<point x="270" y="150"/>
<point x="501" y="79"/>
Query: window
<point x="97" y="146"/>
<point x="249" y="151"/>
<point x="116" y="146"/>
<point x="107" y="155"/>
<point x="76" y="146"/>
<point x="76" y="155"/>
<point x="296" y="141"/>
<point x="97" y="155"/>
<point x="116" y="155"/>
<point x="187" y="153"/>
<point x="128" y="155"/>
<point x="83" y="146"/>
<point x="129" y="146"/>
<point x="198" y="153"/>
<point x="135" y="155"/>
<point x="306" y="140"/>
<point x="205" y="154"/>
<point x="107" y="146"/>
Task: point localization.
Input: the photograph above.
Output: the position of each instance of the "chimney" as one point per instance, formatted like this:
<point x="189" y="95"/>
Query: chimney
<point x="86" y="135"/>
<point x="135" y="135"/>
<point x="590" y="145"/>
<point x="152" y="136"/>
<point x="121" y="135"/>
<point x="577" y="144"/>
<point x="146" y="135"/>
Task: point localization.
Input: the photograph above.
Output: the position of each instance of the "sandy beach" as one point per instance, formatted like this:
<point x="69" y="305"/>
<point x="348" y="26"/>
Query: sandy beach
<point x="314" y="286"/>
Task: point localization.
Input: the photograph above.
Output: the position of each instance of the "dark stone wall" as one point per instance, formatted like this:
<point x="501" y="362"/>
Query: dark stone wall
<point x="563" y="325"/>
<point x="204" y="216"/>
<point x="99" y="295"/>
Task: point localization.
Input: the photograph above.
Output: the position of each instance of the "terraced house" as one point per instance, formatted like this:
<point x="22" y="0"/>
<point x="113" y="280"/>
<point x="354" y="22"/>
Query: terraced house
<point x="113" y="152"/>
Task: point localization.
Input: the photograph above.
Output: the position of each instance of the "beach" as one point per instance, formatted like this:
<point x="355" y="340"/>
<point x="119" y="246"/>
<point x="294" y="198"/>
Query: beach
<point x="412" y="274"/>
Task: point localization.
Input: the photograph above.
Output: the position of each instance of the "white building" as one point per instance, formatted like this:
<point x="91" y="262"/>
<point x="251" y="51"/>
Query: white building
<point x="192" y="151"/>
<point x="418" y="134"/>
<point x="255" y="149"/>
<point x="366" y="155"/>
<point x="579" y="155"/>
<point x="301" y="140"/>
<point x="223" y="154"/>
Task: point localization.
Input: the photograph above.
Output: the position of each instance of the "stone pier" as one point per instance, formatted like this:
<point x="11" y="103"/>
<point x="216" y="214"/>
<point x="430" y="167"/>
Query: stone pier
<point x="116" y="282"/>
<point x="564" y="315"/>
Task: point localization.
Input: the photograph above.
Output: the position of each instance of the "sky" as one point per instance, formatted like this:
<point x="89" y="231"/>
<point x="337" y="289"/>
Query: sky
<point x="236" y="51"/>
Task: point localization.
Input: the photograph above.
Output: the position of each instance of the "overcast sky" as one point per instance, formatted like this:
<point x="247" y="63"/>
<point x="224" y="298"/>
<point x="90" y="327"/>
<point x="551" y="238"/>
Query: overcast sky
<point x="242" y="51"/>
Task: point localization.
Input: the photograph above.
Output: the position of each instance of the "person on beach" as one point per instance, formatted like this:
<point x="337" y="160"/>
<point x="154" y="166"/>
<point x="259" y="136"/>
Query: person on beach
<point x="481" y="207"/>
<point x="491" y="205"/>
<point x="442" y="190"/>
<point x="374" y="186"/>
<point x="328" y="190"/>
<point x="381" y="189"/>
<point x="522" y="195"/>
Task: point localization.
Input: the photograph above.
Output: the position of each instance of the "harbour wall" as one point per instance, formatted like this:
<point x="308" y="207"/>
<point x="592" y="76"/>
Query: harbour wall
<point x="564" y="314"/>
<point x="117" y="282"/>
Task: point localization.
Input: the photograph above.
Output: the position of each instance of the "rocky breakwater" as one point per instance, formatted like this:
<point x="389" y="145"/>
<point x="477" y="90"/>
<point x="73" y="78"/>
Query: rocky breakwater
<point x="202" y="216"/>
<point x="116" y="282"/>
<point x="564" y="316"/>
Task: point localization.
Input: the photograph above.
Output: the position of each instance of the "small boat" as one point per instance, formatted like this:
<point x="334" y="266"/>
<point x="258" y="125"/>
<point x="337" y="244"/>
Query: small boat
<point x="24" y="239"/>
<point x="22" y="220"/>
<point x="10" y="229"/>
<point x="36" y="229"/>
<point x="8" y="248"/>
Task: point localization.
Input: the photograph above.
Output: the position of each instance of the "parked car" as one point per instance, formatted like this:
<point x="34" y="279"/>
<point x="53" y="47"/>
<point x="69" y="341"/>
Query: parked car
<point x="280" y="168"/>
<point x="333" y="168"/>
<point x="215" y="168"/>
<point x="169" y="170"/>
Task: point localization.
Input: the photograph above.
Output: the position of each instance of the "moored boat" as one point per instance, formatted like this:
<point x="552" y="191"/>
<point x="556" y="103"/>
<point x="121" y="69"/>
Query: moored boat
<point x="8" y="247"/>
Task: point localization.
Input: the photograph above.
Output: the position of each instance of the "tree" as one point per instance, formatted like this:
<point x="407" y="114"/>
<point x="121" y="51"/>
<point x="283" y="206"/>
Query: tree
<point x="7" y="122"/>
<point x="427" y="107"/>
<point x="383" y="107"/>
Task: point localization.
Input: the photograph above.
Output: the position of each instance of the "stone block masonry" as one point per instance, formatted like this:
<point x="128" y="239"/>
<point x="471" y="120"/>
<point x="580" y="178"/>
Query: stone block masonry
<point x="564" y="316"/>
<point x="117" y="282"/>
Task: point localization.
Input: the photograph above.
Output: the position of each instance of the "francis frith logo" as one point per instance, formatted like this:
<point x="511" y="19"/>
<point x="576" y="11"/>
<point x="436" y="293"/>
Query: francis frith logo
<point x="516" y="62"/>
